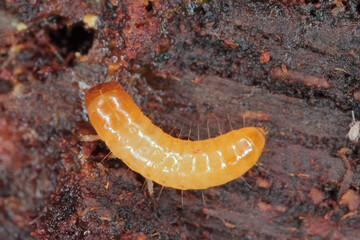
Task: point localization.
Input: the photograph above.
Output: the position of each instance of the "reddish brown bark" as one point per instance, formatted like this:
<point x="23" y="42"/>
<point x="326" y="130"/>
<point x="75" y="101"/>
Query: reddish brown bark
<point x="291" y="65"/>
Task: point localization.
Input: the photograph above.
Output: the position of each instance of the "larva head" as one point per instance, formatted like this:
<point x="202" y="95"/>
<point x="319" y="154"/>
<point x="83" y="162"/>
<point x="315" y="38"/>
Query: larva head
<point x="109" y="93"/>
<point x="102" y="89"/>
<point x="108" y="104"/>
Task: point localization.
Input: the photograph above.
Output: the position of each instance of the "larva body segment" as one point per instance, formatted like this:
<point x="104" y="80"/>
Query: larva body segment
<point x="169" y="161"/>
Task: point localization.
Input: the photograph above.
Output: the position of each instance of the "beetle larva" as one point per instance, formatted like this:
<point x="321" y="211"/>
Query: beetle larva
<point x="169" y="161"/>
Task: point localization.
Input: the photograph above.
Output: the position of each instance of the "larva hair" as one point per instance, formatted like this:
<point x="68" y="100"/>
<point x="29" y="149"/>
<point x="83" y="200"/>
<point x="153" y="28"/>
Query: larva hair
<point x="169" y="161"/>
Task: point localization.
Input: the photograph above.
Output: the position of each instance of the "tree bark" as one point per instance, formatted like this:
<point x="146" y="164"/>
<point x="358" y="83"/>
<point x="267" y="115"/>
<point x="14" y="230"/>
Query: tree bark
<point x="197" y="69"/>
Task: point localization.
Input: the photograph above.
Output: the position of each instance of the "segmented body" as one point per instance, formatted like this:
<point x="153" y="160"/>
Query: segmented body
<point x="169" y="161"/>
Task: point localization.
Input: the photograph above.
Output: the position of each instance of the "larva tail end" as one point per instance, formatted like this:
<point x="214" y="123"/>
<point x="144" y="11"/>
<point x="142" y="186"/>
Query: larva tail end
<point x="263" y="128"/>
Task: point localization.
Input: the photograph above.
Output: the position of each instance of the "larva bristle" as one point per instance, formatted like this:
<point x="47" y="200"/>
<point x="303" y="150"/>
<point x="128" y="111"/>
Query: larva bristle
<point x="173" y="129"/>
<point x="263" y="127"/>
<point x="203" y="198"/>
<point x="142" y="187"/>
<point x="217" y="120"/>
<point x="106" y="156"/>
<point x="207" y="126"/>
<point x="157" y="199"/>
<point x="258" y="165"/>
<point x="189" y="135"/>
<point x="247" y="184"/>
<point x="182" y="198"/>
<point x="198" y="132"/>
<point x="125" y="172"/>
<point x="229" y="122"/>
<point x="182" y="126"/>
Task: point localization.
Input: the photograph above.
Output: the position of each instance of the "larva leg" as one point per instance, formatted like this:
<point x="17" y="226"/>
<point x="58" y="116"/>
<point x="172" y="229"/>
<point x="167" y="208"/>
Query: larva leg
<point x="89" y="138"/>
<point x="150" y="186"/>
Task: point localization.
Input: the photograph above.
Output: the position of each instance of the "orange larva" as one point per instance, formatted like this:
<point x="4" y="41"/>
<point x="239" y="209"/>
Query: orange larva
<point x="169" y="161"/>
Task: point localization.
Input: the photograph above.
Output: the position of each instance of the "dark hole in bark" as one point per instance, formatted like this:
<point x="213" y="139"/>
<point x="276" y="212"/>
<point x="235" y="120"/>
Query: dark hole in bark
<point x="149" y="7"/>
<point x="312" y="1"/>
<point x="5" y="86"/>
<point x="72" y="39"/>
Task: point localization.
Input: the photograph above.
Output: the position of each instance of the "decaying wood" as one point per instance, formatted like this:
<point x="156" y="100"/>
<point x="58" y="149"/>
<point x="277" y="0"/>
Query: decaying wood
<point x="292" y="66"/>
